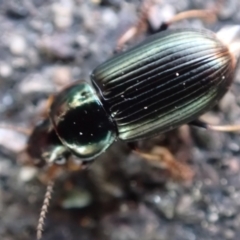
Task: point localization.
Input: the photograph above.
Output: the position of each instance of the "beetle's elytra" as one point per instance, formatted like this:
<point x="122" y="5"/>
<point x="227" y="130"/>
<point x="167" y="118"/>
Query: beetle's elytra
<point x="168" y="80"/>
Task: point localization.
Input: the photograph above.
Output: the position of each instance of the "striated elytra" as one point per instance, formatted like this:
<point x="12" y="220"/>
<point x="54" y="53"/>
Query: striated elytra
<point x="168" y="80"/>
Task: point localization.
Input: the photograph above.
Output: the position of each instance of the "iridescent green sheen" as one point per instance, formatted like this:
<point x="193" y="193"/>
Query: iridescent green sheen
<point x="81" y="122"/>
<point x="168" y="80"/>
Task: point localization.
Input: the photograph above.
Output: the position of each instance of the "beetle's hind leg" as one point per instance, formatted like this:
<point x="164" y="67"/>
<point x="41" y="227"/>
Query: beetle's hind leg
<point x="219" y="128"/>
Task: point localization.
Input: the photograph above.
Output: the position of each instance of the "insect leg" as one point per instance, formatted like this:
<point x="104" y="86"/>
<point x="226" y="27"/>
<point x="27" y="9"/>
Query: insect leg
<point x="161" y="157"/>
<point x="143" y="24"/>
<point x="220" y="128"/>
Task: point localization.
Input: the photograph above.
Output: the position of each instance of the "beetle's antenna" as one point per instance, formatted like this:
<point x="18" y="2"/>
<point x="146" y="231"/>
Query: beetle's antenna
<point x="44" y="209"/>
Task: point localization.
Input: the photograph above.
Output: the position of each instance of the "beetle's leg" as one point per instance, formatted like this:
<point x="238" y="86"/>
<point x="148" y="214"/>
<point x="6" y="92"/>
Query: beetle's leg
<point x="161" y="157"/>
<point x="143" y="24"/>
<point x="198" y="123"/>
<point x="207" y="15"/>
<point x="138" y="28"/>
<point x="133" y="146"/>
<point x="44" y="113"/>
<point x="220" y="128"/>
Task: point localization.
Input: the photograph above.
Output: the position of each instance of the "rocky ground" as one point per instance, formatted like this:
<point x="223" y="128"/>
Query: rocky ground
<point x="46" y="44"/>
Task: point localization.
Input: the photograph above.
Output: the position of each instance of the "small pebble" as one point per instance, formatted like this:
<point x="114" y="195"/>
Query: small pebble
<point x="12" y="140"/>
<point x="17" y="45"/>
<point x="27" y="173"/>
<point x="20" y="63"/>
<point x="5" y="70"/>
<point x="62" y="76"/>
<point x="79" y="198"/>
<point x="36" y="83"/>
<point x="110" y="19"/>
<point x="228" y="9"/>
<point x="56" y="47"/>
<point x="62" y="14"/>
<point x="229" y="234"/>
<point x="15" y="10"/>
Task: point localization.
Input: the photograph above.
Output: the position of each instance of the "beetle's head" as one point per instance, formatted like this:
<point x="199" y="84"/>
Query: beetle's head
<point x="44" y="146"/>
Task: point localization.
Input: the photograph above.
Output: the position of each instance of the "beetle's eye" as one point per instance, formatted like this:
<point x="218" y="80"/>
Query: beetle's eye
<point x="60" y="160"/>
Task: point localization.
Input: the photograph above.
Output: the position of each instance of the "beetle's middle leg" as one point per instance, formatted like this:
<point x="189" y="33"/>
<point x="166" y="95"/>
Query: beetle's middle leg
<point x="161" y="157"/>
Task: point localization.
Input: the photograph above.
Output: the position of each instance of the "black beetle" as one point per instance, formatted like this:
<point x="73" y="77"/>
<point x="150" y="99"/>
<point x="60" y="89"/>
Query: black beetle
<point x="168" y="80"/>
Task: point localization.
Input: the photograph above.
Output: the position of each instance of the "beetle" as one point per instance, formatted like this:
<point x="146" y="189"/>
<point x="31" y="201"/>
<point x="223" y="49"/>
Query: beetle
<point x="168" y="80"/>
